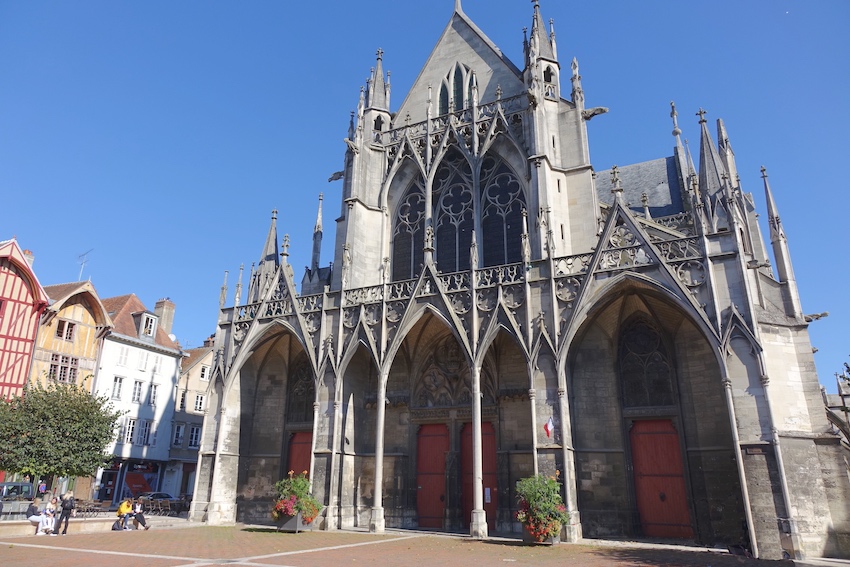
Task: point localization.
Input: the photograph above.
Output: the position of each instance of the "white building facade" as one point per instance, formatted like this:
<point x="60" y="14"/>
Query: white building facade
<point x="138" y="372"/>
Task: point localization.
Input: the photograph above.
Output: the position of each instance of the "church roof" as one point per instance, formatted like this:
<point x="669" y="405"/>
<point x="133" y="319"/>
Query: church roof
<point x="461" y="42"/>
<point x="658" y="178"/>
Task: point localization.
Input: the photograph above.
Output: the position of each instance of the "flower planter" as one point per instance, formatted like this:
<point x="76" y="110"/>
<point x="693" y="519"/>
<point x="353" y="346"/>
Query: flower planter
<point x="293" y="524"/>
<point x="528" y="538"/>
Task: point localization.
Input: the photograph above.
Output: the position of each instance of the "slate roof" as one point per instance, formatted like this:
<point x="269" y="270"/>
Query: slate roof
<point x="121" y="310"/>
<point x="659" y="179"/>
<point x="194" y="356"/>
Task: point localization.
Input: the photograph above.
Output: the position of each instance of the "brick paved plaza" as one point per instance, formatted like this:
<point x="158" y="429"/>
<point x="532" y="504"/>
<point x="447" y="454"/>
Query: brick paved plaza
<point x="259" y="546"/>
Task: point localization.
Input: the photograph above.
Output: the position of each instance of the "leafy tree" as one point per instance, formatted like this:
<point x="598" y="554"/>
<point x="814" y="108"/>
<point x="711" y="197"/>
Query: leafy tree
<point x="56" y="430"/>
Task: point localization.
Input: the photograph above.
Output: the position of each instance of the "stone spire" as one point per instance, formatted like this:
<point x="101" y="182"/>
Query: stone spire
<point x="378" y="90"/>
<point x="222" y="298"/>
<point x="726" y="153"/>
<point x="238" y="297"/>
<point x="540" y="43"/>
<point x="317" y="238"/>
<point x="781" y="253"/>
<point x="268" y="264"/>
<point x="711" y="168"/>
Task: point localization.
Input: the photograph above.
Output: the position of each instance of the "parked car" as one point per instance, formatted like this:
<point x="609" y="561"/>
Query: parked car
<point x="16" y="491"/>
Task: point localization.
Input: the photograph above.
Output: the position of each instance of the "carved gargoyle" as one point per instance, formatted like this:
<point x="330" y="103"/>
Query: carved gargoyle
<point x="351" y="146"/>
<point x="591" y="112"/>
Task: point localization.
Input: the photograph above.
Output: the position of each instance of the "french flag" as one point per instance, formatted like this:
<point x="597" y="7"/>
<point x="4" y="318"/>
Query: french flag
<point x="549" y="427"/>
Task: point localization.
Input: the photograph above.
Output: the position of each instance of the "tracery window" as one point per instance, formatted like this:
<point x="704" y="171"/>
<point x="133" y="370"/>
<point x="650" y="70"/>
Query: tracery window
<point x="456" y="89"/>
<point x="453" y="212"/>
<point x="502" y="203"/>
<point x="409" y="233"/>
<point x="302" y="393"/>
<point x="645" y="370"/>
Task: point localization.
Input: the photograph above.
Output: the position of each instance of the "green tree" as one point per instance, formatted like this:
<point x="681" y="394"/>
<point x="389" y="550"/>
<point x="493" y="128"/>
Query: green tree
<point x="56" y="430"/>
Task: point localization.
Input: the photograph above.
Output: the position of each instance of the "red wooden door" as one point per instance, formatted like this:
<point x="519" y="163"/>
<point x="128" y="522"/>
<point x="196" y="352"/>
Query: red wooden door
<point x="300" y="447"/>
<point x="432" y="444"/>
<point x="488" y="461"/>
<point x="659" y="480"/>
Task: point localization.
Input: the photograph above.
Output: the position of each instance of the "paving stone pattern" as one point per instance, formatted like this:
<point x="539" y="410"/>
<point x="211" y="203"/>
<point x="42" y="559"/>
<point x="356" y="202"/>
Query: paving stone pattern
<point x="263" y="546"/>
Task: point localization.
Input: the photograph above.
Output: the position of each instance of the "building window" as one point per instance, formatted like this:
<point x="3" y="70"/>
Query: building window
<point x="143" y="360"/>
<point x="148" y="326"/>
<point x="123" y="352"/>
<point x="183" y="401"/>
<point x="157" y="363"/>
<point x="116" y="387"/>
<point x="205" y="373"/>
<point x="65" y="330"/>
<point x="502" y="203"/>
<point x="453" y="212"/>
<point x="199" y="402"/>
<point x="409" y="233"/>
<point x="178" y="435"/>
<point x="144" y="433"/>
<point x="137" y="391"/>
<point x="130" y="431"/>
<point x="195" y="437"/>
<point x="63" y="368"/>
<point x="152" y="395"/>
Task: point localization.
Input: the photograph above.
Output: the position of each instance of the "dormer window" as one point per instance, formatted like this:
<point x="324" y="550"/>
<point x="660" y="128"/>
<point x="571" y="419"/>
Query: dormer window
<point x="148" y="326"/>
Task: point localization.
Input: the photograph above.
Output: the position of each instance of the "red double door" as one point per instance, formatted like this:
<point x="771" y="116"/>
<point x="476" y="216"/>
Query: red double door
<point x="433" y="442"/>
<point x="660" y="490"/>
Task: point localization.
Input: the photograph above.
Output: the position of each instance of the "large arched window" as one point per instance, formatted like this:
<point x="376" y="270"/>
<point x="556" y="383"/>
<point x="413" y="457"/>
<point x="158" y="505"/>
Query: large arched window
<point x="645" y="369"/>
<point x="302" y="392"/>
<point x="456" y="89"/>
<point x="453" y="212"/>
<point x="502" y="203"/>
<point x="409" y="233"/>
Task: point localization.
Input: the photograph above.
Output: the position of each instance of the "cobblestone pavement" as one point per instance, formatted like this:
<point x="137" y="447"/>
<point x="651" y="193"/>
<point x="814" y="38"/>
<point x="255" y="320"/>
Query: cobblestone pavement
<point x="259" y="546"/>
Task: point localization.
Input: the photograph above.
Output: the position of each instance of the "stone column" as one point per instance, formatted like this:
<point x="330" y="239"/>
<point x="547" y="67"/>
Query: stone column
<point x="333" y="499"/>
<point x="377" y="523"/>
<point x="572" y="531"/>
<point x="478" y="522"/>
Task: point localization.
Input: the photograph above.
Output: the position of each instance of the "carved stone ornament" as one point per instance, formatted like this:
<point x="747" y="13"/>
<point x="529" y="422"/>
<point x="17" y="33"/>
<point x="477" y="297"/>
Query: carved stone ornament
<point x="486" y="299"/>
<point x="691" y="273"/>
<point x="567" y="289"/>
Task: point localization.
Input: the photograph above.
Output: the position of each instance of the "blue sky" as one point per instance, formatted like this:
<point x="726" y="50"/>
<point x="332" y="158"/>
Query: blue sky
<point x="160" y="135"/>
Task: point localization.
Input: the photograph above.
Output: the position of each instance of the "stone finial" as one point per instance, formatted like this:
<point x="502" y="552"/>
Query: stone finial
<point x="701" y="115"/>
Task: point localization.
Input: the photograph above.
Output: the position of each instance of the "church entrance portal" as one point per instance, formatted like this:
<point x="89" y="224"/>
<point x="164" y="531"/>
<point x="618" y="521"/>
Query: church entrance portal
<point x="662" y="501"/>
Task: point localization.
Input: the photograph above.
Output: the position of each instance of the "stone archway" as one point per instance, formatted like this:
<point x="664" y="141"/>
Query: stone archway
<point x="639" y="366"/>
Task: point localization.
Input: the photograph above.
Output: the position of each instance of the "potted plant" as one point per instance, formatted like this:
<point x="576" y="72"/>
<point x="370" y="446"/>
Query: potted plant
<point x="295" y="507"/>
<point x="541" y="510"/>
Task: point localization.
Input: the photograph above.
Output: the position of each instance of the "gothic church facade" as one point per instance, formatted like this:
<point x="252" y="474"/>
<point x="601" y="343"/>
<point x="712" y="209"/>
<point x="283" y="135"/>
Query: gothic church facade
<point x="497" y="308"/>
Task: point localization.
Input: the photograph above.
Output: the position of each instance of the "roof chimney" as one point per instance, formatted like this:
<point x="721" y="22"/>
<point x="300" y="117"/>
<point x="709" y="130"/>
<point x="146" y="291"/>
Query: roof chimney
<point x="29" y="256"/>
<point x="209" y="341"/>
<point x="165" y="311"/>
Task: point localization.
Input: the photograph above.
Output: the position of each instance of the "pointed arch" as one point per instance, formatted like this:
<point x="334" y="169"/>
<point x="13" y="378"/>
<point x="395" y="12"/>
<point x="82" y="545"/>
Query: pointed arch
<point x="454" y="211"/>
<point x="502" y="197"/>
<point x="408" y="236"/>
